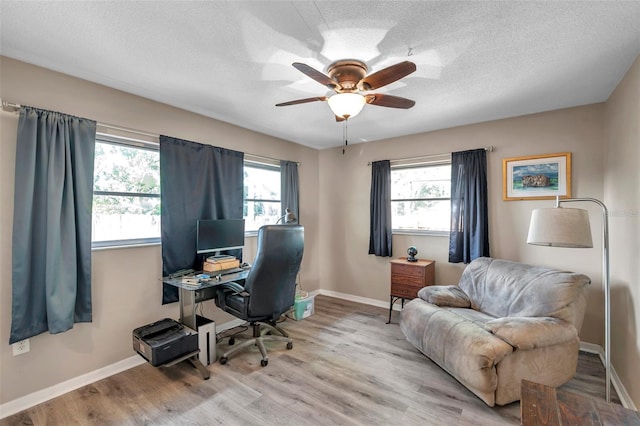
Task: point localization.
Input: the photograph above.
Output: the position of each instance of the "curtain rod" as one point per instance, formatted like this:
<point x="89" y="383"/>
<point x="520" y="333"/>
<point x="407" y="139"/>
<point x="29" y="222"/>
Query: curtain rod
<point x="260" y="157"/>
<point x="425" y="157"/>
<point x="14" y="108"/>
<point x="9" y="106"/>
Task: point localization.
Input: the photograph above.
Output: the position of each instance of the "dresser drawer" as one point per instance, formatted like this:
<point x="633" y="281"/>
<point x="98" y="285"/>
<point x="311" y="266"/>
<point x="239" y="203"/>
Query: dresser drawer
<point x="408" y="271"/>
<point x="405" y="291"/>
<point x="407" y="279"/>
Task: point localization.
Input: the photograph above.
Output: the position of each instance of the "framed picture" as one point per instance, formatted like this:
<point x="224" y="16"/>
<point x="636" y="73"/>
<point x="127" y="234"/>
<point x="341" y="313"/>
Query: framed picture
<point x="536" y="177"/>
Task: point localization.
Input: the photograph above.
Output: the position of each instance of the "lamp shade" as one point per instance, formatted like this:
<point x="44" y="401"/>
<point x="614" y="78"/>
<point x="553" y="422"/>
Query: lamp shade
<point x="560" y="227"/>
<point x="346" y="105"/>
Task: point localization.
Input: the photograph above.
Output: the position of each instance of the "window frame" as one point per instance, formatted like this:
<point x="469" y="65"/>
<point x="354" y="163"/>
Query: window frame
<point x="418" y="165"/>
<point x="272" y="166"/>
<point x="136" y="144"/>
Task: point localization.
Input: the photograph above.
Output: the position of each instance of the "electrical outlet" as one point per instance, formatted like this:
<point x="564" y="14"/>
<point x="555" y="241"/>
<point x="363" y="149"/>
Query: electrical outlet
<point x="21" y="347"/>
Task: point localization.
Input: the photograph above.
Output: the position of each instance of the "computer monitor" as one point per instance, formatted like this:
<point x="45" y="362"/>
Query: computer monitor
<point x="219" y="235"/>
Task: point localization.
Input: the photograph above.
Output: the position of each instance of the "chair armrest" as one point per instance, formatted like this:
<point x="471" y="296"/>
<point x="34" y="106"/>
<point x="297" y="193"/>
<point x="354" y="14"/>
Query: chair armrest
<point x="233" y="287"/>
<point x="532" y="332"/>
<point x="445" y="295"/>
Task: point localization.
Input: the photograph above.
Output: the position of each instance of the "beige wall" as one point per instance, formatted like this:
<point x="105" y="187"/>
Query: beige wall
<point x="335" y="199"/>
<point x="126" y="290"/>
<point x="344" y="197"/>
<point x="622" y="196"/>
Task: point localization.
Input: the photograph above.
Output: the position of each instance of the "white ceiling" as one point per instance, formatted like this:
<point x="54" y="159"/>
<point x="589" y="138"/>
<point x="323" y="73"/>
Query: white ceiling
<point x="231" y="60"/>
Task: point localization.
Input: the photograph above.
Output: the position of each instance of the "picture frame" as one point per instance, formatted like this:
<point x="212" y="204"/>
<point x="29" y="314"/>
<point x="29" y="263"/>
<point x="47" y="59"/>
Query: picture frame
<point x="536" y="177"/>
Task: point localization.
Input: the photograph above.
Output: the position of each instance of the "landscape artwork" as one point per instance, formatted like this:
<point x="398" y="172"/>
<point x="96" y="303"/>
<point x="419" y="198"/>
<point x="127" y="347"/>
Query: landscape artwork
<point x="537" y="177"/>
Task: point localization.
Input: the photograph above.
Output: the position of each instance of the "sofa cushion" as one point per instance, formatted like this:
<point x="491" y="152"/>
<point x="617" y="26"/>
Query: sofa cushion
<point x="508" y="289"/>
<point x="530" y="333"/>
<point x="477" y="317"/>
<point x="445" y="295"/>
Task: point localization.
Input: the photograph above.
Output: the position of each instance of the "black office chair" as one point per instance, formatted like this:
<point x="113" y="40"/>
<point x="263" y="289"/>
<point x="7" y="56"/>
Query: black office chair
<point x="269" y="290"/>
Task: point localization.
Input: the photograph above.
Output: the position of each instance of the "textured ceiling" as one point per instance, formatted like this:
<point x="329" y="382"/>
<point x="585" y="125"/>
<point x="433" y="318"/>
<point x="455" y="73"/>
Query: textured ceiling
<point x="476" y="61"/>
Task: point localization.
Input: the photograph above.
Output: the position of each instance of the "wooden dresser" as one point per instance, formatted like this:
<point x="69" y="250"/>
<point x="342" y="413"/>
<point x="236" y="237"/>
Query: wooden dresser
<point x="407" y="278"/>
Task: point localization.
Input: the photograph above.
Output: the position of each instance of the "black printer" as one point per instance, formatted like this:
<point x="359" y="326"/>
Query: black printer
<point x="164" y="341"/>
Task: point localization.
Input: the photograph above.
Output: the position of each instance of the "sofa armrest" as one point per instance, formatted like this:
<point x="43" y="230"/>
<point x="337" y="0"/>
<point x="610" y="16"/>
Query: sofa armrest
<point x="445" y="295"/>
<point x="528" y="333"/>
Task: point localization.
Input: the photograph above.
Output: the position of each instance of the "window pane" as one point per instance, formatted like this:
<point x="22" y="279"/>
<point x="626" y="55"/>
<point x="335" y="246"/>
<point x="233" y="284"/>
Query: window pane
<point x="122" y="218"/>
<point x="421" y="198"/>
<point x="126" y="169"/>
<point x="258" y="213"/>
<point x="421" y="182"/>
<point x="261" y="183"/>
<point x="421" y="215"/>
<point x="261" y="196"/>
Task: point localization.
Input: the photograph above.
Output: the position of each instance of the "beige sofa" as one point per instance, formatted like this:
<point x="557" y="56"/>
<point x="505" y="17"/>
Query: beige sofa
<point x="502" y="323"/>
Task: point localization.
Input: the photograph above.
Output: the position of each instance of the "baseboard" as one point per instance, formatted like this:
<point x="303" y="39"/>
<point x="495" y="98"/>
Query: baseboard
<point x="625" y="399"/>
<point x="358" y="299"/>
<point x="28" y="401"/>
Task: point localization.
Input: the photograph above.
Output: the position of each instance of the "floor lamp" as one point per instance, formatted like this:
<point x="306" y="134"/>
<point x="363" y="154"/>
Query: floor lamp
<point x="562" y="227"/>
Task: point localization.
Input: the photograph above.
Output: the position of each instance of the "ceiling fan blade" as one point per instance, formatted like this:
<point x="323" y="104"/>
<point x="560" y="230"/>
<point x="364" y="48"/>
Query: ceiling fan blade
<point x="387" y="76"/>
<point x="303" y="101"/>
<point x="389" y="101"/>
<point x="316" y="75"/>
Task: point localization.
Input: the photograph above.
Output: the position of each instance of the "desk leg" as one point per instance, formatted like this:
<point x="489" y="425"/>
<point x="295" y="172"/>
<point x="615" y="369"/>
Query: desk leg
<point x="188" y="308"/>
<point x="195" y="361"/>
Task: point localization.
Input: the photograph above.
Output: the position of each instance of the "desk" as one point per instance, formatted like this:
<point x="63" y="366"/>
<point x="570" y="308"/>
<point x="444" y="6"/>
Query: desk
<point x="544" y="405"/>
<point x="188" y="296"/>
<point x="188" y="293"/>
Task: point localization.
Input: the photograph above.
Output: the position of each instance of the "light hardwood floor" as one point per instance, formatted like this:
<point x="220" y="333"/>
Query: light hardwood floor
<point x="347" y="367"/>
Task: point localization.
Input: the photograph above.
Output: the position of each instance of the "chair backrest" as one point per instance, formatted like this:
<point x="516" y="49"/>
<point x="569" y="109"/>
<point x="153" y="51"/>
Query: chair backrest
<point x="272" y="279"/>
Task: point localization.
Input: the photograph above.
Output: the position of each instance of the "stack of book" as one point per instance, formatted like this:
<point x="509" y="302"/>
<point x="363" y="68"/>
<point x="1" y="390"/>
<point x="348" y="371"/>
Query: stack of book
<point x="218" y="263"/>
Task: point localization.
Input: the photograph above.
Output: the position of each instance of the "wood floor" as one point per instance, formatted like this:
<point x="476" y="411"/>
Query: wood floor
<point x="347" y="367"/>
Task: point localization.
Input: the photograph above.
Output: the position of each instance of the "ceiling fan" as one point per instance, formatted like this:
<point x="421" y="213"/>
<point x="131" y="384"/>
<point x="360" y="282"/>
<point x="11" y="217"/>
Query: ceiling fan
<point x="348" y="78"/>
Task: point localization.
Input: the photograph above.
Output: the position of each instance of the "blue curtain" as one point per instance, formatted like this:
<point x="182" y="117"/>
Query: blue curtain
<point x="469" y="237"/>
<point x="198" y="182"/>
<point x="289" y="192"/>
<point x="380" y="209"/>
<point x="52" y="223"/>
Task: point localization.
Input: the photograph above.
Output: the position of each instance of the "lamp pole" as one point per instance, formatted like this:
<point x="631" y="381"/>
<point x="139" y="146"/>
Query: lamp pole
<point x="605" y="282"/>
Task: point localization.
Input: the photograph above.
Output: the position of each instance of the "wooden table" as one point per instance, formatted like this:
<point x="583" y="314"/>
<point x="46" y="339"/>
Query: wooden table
<point x="544" y="405"/>
<point x="407" y="278"/>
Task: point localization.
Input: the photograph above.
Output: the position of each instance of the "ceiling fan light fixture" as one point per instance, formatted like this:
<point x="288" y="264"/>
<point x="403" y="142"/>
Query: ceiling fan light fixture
<point x="346" y="105"/>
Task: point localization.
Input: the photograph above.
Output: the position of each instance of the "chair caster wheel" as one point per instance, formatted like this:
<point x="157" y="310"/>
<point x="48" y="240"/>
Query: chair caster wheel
<point x="232" y="340"/>
<point x="264" y="362"/>
<point x="223" y="360"/>
<point x="290" y="345"/>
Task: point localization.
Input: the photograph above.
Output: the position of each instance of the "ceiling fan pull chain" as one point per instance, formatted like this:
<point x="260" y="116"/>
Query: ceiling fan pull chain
<point x="345" y="132"/>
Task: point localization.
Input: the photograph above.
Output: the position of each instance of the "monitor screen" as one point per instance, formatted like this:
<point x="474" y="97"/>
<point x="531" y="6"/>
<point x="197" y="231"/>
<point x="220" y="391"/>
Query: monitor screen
<point x="219" y="235"/>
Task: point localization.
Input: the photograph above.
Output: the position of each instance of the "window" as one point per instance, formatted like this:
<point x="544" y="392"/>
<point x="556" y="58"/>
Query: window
<point x="126" y="192"/>
<point x="421" y="197"/>
<point x="261" y="205"/>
